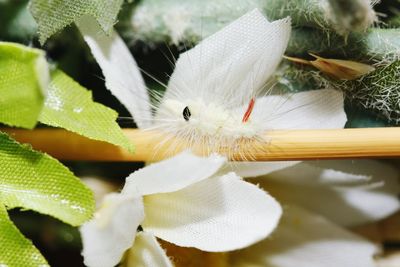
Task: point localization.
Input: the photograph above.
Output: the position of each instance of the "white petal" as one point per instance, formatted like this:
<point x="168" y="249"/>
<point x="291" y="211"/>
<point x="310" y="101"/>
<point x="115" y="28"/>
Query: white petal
<point x="146" y="252"/>
<point x="360" y="168"/>
<point x="316" y="109"/>
<point x="106" y="237"/>
<point x="325" y="173"/>
<point x="254" y="169"/>
<point x="218" y="214"/>
<point x="173" y="174"/>
<point x="232" y="64"/>
<point x="99" y="186"/>
<point x="120" y="70"/>
<point x="303" y="239"/>
<point x="347" y="199"/>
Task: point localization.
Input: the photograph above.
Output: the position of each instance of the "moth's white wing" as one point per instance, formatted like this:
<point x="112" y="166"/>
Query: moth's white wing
<point x="217" y="214"/>
<point x="304" y="239"/>
<point x="229" y="66"/>
<point x="316" y="109"/>
<point x="120" y="70"/>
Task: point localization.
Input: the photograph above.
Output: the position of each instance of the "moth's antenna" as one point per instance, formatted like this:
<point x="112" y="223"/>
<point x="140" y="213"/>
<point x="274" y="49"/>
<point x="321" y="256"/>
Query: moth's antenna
<point x="249" y="110"/>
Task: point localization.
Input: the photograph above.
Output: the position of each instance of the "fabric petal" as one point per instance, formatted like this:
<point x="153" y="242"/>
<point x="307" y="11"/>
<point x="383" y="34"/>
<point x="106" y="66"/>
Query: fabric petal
<point x="106" y="237"/>
<point x="120" y="70"/>
<point x="254" y="169"/>
<point x="345" y="198"/>
<point x="218" y="214"/>
<point x="304" y="239"/>
<point x="146" y="252"/>
<point x="363" y="169"/>
<point x="242" y="56"/>
<point x="173" y="174"/>
<point x="316" y="109"/>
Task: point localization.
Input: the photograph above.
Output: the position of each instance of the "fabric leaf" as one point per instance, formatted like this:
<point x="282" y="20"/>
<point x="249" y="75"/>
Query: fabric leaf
<point x="52" y="16"/>
<point x="70" y="106"/>
<point x="16" y="249"/>
<point x="35" y="181"/>
<point x="23" y="79"/>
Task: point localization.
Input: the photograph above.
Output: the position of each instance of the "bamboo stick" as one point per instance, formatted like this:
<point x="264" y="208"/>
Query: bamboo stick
<point x="281" y="145"/>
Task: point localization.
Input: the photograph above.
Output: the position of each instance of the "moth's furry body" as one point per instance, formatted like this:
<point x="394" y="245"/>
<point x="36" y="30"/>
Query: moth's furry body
<point x="208" y="119"/>
<point x="212" y="126"/>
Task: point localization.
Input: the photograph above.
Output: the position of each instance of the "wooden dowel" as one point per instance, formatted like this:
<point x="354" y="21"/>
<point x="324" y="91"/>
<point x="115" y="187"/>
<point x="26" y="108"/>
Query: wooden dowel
<point x="281" y="145"/>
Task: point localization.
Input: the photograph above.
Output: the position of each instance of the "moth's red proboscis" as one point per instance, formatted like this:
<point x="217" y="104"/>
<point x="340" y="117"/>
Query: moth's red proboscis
<point x="250" y="108"/>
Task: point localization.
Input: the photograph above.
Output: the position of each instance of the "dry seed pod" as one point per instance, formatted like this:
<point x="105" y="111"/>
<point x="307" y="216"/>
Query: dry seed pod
<point x="337" y="68"/>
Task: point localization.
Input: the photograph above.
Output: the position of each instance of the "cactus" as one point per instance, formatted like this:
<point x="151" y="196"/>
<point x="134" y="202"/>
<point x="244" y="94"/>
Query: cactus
<point x="175" y="21"/>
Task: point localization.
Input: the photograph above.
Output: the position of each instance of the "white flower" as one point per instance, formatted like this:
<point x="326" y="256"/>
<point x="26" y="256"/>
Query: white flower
<point x="304" y="239"/>
<point x="348" y="193"/>
<point x="210" y="100"/>
<point x="185" y="200"/>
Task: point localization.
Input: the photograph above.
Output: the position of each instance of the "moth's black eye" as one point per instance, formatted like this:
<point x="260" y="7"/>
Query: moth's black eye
<point x="186" y="113"/>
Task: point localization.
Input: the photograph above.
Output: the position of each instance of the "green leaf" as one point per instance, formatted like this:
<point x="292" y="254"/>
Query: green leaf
<point x="52" y="16"/>
<point x="24" y="75"/>
<point x="16" y="250"/>
<point x="35" y="181"/>
<point x="70" y="106"/>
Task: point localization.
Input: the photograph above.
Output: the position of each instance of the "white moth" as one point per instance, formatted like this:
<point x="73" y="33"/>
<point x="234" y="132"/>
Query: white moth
<point x="211" y="96"/>
<point x="217" y="96"/>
